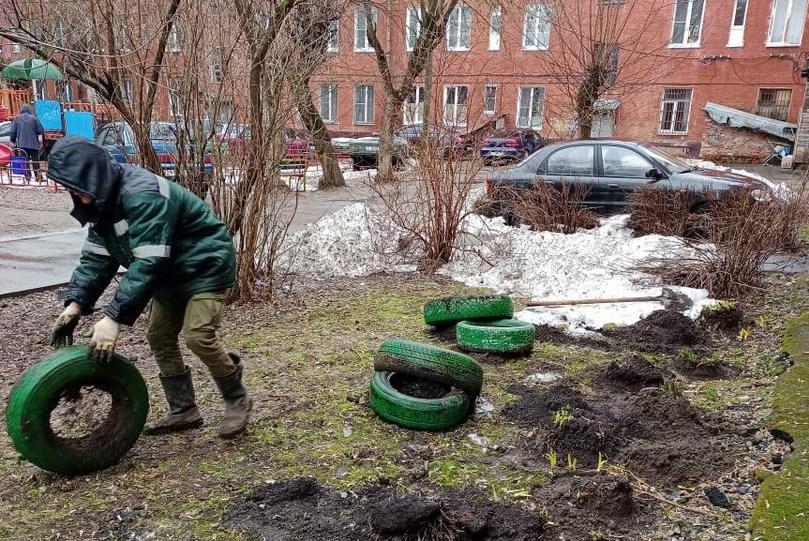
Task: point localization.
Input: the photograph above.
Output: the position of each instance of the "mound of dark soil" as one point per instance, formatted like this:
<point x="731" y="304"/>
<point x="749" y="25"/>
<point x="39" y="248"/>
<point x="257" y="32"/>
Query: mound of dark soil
<point x="632" y="374"/>
<point x="723" y="319"/>
<point x="661" y="438"/>
<point x="418" y="387"/>
<point x="302" y="510"/>
<point x="660" y="331"/>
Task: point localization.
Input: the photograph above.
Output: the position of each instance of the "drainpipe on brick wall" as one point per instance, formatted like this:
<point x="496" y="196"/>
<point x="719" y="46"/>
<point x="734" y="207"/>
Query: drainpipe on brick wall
<point x="802" y="136"/>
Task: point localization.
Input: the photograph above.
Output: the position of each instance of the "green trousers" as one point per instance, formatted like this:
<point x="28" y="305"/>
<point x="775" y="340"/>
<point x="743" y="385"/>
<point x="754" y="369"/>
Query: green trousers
<point x="199" y="320"/>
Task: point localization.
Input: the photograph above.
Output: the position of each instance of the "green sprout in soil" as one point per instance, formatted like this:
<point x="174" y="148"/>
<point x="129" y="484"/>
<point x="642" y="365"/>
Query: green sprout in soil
<point x="571" y="463"/>
<point x="562" y="416"/>
<point x="688" y="354"/>
<point x="673" y="388"/>
<point x="744" y="334"/>
<point x="553" y="460"/>
<point x="721" y="306"/>
<point x="601" y="465"/>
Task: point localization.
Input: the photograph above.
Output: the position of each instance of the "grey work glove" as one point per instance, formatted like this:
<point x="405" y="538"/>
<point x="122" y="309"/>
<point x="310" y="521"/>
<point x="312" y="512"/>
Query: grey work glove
<point x="102" y="342"/>
<point x="62" y="330"/>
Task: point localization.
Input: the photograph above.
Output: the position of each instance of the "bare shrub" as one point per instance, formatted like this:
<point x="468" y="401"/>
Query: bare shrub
<point x="546" y="208"/>
<point x="740" y="235"/>
<point x="661" y="212"/>
<point x="431" y="202"/>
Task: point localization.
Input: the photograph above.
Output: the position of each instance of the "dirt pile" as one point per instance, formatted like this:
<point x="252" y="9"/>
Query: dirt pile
<point x="661" y="438"/>
<point x="302" y="510"/>
<point x="632" y="374"/>
<point x="660" y="331"/>
<point x="723" y="318"/>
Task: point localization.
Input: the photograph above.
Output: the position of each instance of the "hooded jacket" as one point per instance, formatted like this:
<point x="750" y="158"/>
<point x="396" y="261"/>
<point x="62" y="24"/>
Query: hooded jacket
<point x="26" y="129"/>
<point x="170" y="241"/>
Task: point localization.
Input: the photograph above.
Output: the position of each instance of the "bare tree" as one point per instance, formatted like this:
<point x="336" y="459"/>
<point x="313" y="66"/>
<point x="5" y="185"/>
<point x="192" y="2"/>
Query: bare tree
<point x="426" y="32"/>
<point x="115" y="48"/>
<point x="599" y="50"/>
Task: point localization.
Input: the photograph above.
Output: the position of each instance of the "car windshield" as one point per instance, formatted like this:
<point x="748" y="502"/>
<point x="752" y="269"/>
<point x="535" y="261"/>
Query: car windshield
<point x="161" y="132"/>
<point x="672" y="163"/>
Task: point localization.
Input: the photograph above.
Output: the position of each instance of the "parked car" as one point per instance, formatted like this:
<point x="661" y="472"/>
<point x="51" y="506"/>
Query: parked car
<point x="446" y="139"/>
<point x="509" y="145"/>
<point x="119" y="140"/>
<point x="5" y="132"/>
<point x="364" y="151"/>
<point x="610" y="170"/>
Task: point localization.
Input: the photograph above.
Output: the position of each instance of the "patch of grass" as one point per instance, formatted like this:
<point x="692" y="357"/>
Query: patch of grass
<point x="719" y="395"/>
<point x="780" y="511"/>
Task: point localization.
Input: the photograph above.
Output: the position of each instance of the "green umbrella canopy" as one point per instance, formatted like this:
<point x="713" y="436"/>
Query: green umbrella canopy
<point x="30" y="70"/>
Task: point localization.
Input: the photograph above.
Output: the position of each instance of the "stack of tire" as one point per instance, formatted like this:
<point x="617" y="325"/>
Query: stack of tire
<point x="400" y="359"/>
<point x="482" y="324"/>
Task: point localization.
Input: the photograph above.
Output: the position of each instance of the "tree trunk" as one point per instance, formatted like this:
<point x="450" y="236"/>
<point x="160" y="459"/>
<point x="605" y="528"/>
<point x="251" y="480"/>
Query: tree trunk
<point x="312" y="121"/>
<point x="585" y="100"/>
<point x="393" y="109"/>
<point x="428" y="91"/>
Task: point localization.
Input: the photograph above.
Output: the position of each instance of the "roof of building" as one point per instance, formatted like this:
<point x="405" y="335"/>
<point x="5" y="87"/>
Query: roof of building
<point x="735" y="118"/>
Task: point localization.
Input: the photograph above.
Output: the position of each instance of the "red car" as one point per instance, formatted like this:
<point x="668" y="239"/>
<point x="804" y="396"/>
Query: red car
<point x="236" y="136"/>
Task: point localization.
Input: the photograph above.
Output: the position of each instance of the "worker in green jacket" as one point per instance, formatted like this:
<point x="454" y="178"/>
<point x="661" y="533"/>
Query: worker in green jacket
<point x="178" y="255"/>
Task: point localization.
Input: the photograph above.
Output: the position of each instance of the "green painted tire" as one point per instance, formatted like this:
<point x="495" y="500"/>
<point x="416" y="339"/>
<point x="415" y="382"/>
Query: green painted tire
<point x="499" y="336"/>
<point x="431" y="414"/>
<point x="38" y="392"/>
<point x="431" y="363"/>
<point x="452" y="310"/>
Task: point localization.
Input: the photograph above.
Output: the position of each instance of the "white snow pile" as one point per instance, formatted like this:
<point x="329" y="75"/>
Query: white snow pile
<point x="599" y="263"/>
<point x="352" y="241"/>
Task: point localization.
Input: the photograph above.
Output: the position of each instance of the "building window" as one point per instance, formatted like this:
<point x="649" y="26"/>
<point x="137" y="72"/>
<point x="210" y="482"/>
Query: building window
<point x="361" y="43"/>
<point x="687" y="23"/>
<point x="786" y="22"/>
<point x="736" y="37"/>
<point x="414" y="106"/>
<point x="774" y="103"/>
<point x="412" y="27"/>
<point x="364" y="104"/>
<point x="605" y="57"/>
<point x="459" y="28"/>
<point x="217" y="69"/>
<point x="15" y="48"/>
<point x="334" y="37"/>
<point x="175" y="43"/>
<point x="495" y="28"/>
<point x="537" y="28"/>
<point x="455" y="100"/>
<point x="675" y="110"/>
<point x="530" y="103"/>
<point x="175" y="105"/>
<point x="490" y="100"/>
<point x="328" y="102"/>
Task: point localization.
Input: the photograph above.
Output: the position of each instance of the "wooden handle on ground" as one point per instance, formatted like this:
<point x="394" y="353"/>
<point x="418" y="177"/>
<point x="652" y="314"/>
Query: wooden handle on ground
<point x="571" y="302"/>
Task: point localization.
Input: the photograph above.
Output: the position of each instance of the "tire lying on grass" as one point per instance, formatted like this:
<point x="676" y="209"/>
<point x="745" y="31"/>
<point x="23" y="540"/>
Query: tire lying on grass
<point x="431" y="363"/>
<point x="432" y="414"/>
<point x="452" y="310"/>
<point x="499" y="336"/>
<point x="58" y="377"/>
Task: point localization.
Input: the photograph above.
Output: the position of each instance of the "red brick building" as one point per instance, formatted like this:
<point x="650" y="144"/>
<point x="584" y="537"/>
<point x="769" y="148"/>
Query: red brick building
<point x="504" y="62"/>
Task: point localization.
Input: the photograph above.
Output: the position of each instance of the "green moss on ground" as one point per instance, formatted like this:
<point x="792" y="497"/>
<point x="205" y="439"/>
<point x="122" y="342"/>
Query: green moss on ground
<point x="781" y="509"/>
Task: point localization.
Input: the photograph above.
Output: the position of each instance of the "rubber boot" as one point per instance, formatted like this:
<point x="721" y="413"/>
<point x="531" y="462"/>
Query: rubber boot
<point x="183" y="413"/>
<point x="237" y="402"/>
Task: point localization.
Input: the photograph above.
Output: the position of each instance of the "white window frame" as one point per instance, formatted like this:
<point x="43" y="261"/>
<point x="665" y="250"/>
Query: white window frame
<point x="456" y="122"/>
<point x="218" y="65"/>
<point x="333" y="44"/>
<point x="542" y="29"/>
<point x="495" y="28"/>
<point x="736" y="35"/>
<point x="174" y="44"/>
<point x="369" y="106"/>
<point x="530" y="108"/>
<point x="685" y="44"/>
<point x="411" y="24"/>
<point x="770" y="42"/>
<point x="663" y="101"/>
<point x="487" y="111"/>
<point x="175" y="104"/>
<point x="331" y="117"/>
<point x="418" y="118"/>
<point x="359" y="15"/>
<point x="456" y="43"/>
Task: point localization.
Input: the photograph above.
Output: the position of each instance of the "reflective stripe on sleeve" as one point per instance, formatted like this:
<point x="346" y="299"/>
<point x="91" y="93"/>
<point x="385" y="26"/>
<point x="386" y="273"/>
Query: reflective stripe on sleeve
<point x="92" y="248"/>
<point x="152" y="250"/>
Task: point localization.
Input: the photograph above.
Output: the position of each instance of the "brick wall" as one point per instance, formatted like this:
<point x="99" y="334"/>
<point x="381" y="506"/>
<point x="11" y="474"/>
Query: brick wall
<point x="722" y="143"/>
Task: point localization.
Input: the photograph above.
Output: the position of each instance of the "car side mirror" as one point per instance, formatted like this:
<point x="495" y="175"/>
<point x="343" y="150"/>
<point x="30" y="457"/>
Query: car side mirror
<point x="654" y="174"/>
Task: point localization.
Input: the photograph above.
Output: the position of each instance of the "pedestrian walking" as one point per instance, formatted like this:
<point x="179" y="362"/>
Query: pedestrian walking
<point x="26" y="134"/>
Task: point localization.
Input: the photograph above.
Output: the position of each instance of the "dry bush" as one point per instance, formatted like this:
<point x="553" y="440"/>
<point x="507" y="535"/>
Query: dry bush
<point x="661" y="212"/>
<point x="430" y="203"/>
<point x="545" y="208"/>
<point x="740" y="235"/>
